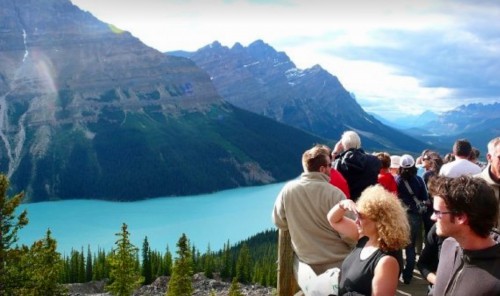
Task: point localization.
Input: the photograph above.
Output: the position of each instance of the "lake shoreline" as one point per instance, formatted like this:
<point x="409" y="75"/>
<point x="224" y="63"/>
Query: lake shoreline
<point x="207" y="220"/>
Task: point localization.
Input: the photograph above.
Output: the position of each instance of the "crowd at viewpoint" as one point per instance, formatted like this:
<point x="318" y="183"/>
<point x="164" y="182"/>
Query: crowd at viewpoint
<point x="362" y="223"/>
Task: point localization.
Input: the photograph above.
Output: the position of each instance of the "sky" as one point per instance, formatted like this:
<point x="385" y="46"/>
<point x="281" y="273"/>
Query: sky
<point x="396" y="57"/>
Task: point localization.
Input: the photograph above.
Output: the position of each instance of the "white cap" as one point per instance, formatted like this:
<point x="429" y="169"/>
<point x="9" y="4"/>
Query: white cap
<point x="407" y="161"/>
<point x="395" y="159"/>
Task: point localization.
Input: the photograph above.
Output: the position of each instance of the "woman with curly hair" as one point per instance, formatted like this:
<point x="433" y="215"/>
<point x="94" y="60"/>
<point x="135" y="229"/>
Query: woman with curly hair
<point x="382" y="231"/>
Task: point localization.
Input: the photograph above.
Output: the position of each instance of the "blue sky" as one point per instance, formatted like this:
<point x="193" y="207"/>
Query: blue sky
<point x="397" y="57"/>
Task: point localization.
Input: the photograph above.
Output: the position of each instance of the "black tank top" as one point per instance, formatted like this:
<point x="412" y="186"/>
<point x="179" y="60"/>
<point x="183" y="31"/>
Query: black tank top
<point x="356" y="274"/>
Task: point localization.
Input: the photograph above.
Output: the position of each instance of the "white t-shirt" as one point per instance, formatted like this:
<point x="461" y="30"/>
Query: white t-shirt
<point x="459" y="167"/>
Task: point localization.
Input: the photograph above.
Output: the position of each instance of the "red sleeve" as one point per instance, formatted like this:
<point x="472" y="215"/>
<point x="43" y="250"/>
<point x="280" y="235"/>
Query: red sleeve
<point x="337" y="180"/>
<point x="388" y="182"/>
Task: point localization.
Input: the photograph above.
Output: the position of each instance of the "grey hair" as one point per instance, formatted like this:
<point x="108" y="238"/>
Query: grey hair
<point x="492" y="144"/>
<point x="350" y="139"/>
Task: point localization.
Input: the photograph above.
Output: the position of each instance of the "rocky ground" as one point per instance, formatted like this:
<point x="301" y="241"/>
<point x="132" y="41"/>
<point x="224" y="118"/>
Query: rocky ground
<point x="201" y="284"/>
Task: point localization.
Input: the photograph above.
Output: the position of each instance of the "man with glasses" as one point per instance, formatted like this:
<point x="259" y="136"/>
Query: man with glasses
<point x="465" y="210"/>
<point x="491" y="174"/>
<point x="301" y="208"/>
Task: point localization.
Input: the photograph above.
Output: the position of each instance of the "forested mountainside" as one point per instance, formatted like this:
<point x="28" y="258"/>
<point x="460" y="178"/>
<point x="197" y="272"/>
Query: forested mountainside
<point x="89" y="111"/>
<point x="267" y="82"/>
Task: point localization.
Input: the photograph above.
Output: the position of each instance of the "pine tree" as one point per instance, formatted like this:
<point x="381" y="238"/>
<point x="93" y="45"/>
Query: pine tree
<point x="194" y="258"/>
<point x="168" y="262"/>
<point x="180" y="283"/>
<point x="45" y="268"/>
<point x="234" y="290"/>
<point x="199" y="262"/>
<point x="81" y="267"/>
<point x="258" y="273"/>
<point x="146" y="263"/>
<point x="74" y="266"/>
<point x="16" y="271"/>
<point x="101" y="266"/>
<point x="227" y="262"/>
<point x="244" y="265"/>
<point x="124" y="275"/>
<point x="156" y="262"/>
<point x="9" y="226"/>
<point x="88" y="266"/>
<point x="66" y="271"/>
<point x="138" y="263"/>
<point x="208" y="267"/>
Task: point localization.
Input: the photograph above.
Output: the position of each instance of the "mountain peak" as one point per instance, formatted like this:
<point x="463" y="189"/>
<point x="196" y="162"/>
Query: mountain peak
<point x="474" y="110"/>
<point x="215" y="45"/>
<point x="259" y="43"/>
<point x="262" y="80"/>
<point x="91" y="112"/>
<point x="260" y="48"/>
<point x="237" y="46"/>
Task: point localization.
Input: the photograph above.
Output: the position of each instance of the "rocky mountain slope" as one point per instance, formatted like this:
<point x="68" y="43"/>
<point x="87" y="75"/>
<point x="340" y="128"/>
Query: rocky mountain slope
<point x="262" y="80"/>
<point x="89" y="111"/>
<point x="479" y="123"/>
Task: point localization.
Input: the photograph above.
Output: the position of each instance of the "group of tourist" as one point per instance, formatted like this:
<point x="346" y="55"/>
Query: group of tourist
<point x="355" y="220"/>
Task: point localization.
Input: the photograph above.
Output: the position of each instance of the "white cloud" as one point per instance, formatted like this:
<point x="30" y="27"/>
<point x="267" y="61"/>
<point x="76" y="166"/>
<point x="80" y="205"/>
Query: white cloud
<point x="396" y="56"/>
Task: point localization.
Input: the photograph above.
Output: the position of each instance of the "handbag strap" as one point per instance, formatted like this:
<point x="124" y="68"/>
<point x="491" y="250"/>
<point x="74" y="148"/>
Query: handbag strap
<point x="411" y="192"/>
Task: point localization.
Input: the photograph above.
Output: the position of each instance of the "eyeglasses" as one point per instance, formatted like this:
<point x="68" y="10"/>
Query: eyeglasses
<point x="439" y="214"/>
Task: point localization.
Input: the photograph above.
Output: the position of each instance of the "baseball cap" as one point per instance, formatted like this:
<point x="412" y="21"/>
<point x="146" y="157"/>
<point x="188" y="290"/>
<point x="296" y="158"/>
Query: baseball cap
<point x="407" y="161"/>
<point x="395" y="161"/>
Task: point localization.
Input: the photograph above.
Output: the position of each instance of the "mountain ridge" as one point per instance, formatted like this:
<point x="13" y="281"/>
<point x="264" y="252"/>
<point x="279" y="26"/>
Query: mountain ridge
<point x="262" y="80"/>
<point x="89" y="111"/>
<point x="409" y="121"/>
<point x="477" y="122"/>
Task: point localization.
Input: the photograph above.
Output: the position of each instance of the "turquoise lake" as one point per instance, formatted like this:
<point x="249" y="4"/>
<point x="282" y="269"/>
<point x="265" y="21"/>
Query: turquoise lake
<point x="213" y="219"/>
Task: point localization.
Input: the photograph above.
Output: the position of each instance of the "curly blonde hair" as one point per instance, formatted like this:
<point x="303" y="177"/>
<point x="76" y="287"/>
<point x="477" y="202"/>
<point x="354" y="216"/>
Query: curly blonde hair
<point x="389" y="215"/>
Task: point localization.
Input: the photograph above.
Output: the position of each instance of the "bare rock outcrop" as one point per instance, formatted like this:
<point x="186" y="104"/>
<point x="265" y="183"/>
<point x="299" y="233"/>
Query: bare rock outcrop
<point x="202" y="286"/>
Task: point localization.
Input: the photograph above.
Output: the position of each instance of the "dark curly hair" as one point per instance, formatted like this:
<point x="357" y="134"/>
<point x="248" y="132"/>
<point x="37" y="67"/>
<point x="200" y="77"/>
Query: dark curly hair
<point x="470" y="196"/>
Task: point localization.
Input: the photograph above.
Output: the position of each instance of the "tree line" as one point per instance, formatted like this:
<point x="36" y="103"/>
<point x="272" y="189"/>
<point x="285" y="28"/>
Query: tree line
<point x="40" y="269"/>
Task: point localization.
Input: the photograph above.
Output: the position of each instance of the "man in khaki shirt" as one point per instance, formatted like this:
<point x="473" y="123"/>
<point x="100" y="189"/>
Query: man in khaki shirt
<point x="301" y="208"/>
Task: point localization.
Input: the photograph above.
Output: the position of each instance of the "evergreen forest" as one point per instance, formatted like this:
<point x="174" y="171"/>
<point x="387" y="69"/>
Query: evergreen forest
<point x="40" y="269"/>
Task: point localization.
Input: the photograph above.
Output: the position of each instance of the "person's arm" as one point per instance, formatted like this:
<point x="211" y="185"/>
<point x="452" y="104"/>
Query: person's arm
<point x="386" y="277"/>
<point x="337" y="149"/>
<point x="342" y="224"/>
<point x="278" y="214"/>
<point x="429" y="258"/>
<point x="426" y="263"/>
